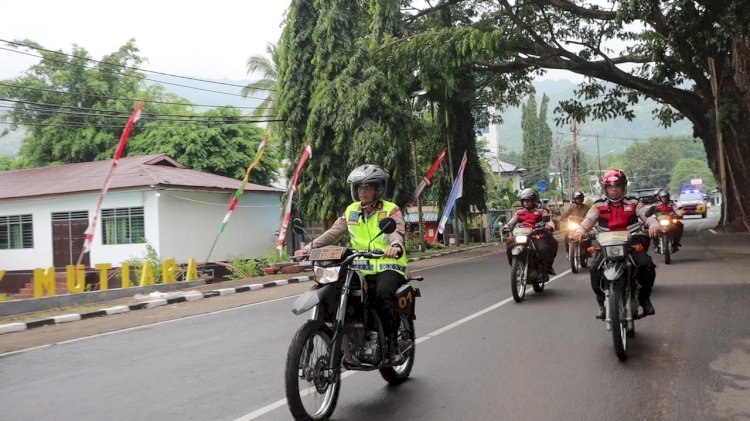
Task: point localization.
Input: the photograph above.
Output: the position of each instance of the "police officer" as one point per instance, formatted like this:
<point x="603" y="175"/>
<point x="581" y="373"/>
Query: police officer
<point x="360" y="220"/>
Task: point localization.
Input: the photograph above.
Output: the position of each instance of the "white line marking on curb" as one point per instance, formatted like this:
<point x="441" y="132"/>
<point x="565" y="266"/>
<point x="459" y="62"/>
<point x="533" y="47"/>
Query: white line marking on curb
<point x="12" y="327"/>
<point x="116" y="310"/>
<point x="194" y="296"/>
<point x="226" y="291"/>
<point x="281" y="402"/>
<point x="156" y="303"/>
<point x="66" y="318"/>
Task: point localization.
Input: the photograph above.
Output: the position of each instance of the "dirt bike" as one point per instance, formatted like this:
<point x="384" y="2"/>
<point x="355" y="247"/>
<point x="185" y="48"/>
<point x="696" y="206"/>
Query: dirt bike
<point x="577" y="254"/>
<point x="619" y="284"/>
<point x="526" y="265"/>
<point x="664" y="244"/>
<point x="343" y="330"/>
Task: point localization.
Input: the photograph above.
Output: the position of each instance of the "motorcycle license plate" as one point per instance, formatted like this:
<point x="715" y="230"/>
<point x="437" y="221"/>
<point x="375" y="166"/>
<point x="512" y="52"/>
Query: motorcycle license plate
<point x="327" y="253"/>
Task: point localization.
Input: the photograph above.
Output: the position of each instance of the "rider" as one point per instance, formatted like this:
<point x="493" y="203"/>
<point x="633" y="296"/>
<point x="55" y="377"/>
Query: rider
<point x="532" y="214"/>
<point x="577" y="208"/>
<point x="617" y="212"/>
<point x="665" y="205"/>
<point x="360" y="220"/>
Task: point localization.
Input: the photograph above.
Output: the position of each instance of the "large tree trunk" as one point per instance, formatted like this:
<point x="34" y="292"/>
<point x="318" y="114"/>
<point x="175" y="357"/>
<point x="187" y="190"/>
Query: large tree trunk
<point x="734" y="95"/>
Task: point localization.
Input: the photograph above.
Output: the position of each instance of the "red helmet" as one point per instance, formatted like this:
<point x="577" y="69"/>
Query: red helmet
<point x="614" y="177"/>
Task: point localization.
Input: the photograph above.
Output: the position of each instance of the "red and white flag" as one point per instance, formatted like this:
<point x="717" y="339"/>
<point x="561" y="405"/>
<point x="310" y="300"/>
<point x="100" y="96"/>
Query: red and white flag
<point x="107" y="181"/>
<point x="306" y="154"/>
<point x="426" y="179"/>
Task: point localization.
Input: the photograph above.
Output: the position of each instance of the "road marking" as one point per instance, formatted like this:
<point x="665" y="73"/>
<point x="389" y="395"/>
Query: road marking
<point x="281" y="402"/>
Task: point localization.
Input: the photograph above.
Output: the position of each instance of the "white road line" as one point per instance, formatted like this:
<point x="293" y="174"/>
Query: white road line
<point x="281" y="402"/>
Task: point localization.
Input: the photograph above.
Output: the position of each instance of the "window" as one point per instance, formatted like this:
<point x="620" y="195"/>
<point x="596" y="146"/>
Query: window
<point x="122" y="226"/>
<point x="16" y="232"/>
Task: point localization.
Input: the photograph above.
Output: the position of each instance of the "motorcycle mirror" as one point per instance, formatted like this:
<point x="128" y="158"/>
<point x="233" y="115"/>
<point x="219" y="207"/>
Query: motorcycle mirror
<point x="298" y="226"/>
<point x="387" y="225"/>
<point x="546" y="218"/>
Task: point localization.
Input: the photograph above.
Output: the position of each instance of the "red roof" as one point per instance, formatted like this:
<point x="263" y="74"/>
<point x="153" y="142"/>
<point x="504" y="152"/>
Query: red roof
<point x="132" y="173"/>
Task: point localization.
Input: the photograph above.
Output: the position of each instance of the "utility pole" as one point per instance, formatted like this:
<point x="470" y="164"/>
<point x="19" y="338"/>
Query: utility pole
<point x="576" y="181"/>
<point x="422" y="241"/>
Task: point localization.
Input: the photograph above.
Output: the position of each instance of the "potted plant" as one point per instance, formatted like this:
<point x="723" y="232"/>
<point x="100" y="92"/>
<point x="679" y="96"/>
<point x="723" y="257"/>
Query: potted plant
<point x="274" y="262"/>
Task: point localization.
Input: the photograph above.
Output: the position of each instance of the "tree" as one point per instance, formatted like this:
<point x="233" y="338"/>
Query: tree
<point x="691" y="57"/>
<point x="268" y="68"/>
<point x="650" y="164"/>
<point x="537" y="140"/>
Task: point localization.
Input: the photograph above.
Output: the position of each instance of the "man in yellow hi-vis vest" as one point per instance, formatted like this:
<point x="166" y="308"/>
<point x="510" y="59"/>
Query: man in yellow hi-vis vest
<point x="360" y="220"/>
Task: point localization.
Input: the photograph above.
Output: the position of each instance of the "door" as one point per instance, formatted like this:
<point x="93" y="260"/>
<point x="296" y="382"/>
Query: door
<point x="68" y="235"/>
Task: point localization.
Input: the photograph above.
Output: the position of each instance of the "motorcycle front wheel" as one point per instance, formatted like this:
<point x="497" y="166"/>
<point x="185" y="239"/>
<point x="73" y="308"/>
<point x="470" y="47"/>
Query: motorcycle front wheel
<point x="310" y="392"/>
<point x="619" y="324"/>
<point x="407" y="342"/>
<point x="575" y="257"/>
<point x="518" y="273"/>
<point x="664" y="246"/>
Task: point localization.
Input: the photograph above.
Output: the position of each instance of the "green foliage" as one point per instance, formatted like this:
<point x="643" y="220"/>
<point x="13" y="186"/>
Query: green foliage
<point x="137" y="263"/>
<point x="537" y="140"/>
<point x="243" y="268"/>
<point x="650" y="164"/>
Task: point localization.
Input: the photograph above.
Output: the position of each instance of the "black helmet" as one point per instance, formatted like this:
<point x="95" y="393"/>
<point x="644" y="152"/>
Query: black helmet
<point x="578" y="195"/>
<point x="529" y="194"/>
<point x="367" y="174"/>
<point x="662" y="193"/>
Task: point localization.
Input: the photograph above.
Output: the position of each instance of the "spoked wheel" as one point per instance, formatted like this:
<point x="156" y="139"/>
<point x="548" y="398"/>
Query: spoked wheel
<point x="518" y="273"/>
<point x="664" y="245"/>
<point x="407" y="345"/>
<point x="619" y="324"/>
<point x="575" y="257"/>
<point x="310" y="391"/>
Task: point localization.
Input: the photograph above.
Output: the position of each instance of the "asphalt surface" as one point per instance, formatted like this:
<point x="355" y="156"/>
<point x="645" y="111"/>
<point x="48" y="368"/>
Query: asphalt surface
<point x="480" y="356"/>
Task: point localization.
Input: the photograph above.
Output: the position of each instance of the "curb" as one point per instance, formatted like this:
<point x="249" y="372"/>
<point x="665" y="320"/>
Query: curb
<point x="190" y="296"/>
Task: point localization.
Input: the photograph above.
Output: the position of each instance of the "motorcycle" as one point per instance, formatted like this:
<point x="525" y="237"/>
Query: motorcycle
<point x="343" y="330"/>
<point x="664" y="243"/>
<point x="577" y="254"/>
<point x="619" y="284"/>
<point x="526" y="265"/>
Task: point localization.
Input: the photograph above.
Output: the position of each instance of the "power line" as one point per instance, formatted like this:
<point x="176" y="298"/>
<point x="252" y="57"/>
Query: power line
<point x="120" y="65"/>
<point x="131" y="76"/>
<point x="37" y="107"/>
<point x="72" y="125"/>
<point x="122" y="99"/>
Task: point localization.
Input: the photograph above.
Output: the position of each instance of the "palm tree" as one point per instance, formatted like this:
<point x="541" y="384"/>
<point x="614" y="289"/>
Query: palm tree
<point x="268" y="68"/>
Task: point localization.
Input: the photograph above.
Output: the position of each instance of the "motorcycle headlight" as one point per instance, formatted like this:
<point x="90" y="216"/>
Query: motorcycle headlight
<point x="615" y="251"/>
<point x="664" y="222"/>
<point x="572" y="226"/>
<point x="327" y="275"/>
<point x="521" y="239"/>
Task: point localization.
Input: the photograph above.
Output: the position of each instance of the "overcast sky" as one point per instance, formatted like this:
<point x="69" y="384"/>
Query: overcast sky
<point x="210" y="39"/>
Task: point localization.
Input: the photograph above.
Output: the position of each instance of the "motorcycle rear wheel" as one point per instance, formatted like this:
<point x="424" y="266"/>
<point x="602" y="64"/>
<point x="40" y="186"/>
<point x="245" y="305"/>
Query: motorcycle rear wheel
<point x="619" y="324"/>
<point x="309" y="393"/>
<point x="518" y="272"/>
<point x="406" y="337"/>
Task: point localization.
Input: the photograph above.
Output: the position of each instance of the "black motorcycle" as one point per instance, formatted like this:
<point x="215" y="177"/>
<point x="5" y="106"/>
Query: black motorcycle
<point x="344" y="330"/>
<point x="577" y="254"/>
<point x="526" y="265"/>
<point x="619" y="283"/>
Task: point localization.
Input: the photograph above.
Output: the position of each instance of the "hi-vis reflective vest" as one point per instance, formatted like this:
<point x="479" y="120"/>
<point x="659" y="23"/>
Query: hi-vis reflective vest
<point x="362" y="230"/>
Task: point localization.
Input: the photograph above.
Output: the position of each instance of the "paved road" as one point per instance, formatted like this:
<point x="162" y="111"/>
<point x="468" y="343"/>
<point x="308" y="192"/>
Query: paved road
<point x="481" y="355"/>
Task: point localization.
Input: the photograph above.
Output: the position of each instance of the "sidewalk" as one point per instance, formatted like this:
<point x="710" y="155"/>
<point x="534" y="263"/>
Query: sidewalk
<point x="21" y="315"/>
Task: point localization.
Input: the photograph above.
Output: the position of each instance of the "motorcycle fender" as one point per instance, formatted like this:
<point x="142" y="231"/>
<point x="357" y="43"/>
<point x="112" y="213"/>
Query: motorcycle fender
<point x="613" y="273"/>
<point x="516" y="250"/>
<point x="311" y="298"/>
<point x="404" y="299"/>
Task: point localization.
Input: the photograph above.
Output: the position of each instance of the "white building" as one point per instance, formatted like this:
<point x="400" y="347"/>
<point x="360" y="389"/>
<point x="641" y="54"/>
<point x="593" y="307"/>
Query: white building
<point x="152" y="200"/>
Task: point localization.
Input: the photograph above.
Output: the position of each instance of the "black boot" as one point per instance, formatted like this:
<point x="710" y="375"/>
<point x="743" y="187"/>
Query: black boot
<point x="394" y="354"/>
<point x="601" y="312"/>
<point x="648" y="308"/>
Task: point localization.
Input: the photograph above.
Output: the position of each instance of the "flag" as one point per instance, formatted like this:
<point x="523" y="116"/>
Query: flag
<point x="241" y="188"/>
<point x="107" y="181"/>
<point x="456" y="192"/>
<point x="306" y="154"/>
<point x="426" y="179"/>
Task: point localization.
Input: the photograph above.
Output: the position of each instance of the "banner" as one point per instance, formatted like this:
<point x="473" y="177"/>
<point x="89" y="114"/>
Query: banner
<point x="107" y="181"/>
<point x="426" y="179"/>
<point x="456" y="192"/>
<point x="241" y="188"/>
<point x="306" y="154"/>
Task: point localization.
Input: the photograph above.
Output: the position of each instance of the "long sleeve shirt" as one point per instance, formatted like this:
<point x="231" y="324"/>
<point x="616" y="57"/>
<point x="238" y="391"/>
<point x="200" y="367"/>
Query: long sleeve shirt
<point x="339" y="228"/>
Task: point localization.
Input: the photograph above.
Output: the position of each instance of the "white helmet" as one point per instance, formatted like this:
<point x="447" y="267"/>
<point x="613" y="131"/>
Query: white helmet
<point x="367" y="174"/>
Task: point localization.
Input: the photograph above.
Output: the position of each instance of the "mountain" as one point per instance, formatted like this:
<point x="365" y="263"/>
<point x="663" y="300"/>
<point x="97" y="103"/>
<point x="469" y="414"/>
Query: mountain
<point x="616" y="134"/>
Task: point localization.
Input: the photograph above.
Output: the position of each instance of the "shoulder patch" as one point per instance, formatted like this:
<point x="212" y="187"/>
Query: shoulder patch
<point x="353" y="216"/>
<point x="381" y="215"/>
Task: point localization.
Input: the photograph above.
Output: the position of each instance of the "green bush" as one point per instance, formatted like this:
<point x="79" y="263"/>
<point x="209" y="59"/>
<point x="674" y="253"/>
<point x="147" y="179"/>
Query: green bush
<point x="243" y="268"/>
